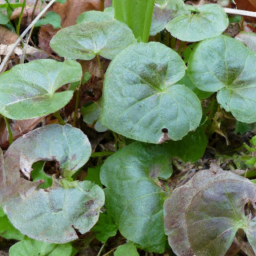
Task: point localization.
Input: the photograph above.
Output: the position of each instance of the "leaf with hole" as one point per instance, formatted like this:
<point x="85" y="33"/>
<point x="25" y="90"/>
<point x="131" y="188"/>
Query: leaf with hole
<point x="203" y="216"/>
<point x="86" y="40"/>
<point x="142" y="98"/>
<point x="56" y="214"/>
<point x="228" y="68"/>
<point x="29" y="90"/>
<point x="203" y="22"/>
<point x="164" y="11"/>
<point x="134" y="197"/>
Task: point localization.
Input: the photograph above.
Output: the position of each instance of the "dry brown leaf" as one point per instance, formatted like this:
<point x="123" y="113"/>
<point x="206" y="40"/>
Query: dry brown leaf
<point x="247" y="6"/>
<point x="7" y="36"/>
<point x="253" y="2"/>
<point x="19" y="128"/>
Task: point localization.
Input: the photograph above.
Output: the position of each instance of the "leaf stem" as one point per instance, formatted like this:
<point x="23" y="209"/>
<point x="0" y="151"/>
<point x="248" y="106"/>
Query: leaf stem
<point x="58" y="116"/>
<point x="100" y="66"/>
<point x="9" y="130"/>
<point x="24" y="33"/>
<point x="102" y="5"/>
<point x="34" y="9"/>
<point x="101" y="154"/>
<point x="240" y="12"/>
<point x="20" y="17"/>
<point x="78" y="92"/>
<point x="182" y="44"/>
<point x="102" y="247"/>
<point x="173" y="43"/>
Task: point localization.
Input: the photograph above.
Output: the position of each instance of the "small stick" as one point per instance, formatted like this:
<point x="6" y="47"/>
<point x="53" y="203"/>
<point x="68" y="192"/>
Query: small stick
<point x="240" y="12"/>
<point x="24" y="33"/>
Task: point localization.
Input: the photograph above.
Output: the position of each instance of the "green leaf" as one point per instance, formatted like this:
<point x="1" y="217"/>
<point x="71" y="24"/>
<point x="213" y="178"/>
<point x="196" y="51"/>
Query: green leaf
<point x="133" y="197"/>
<point x="86" y="77"/>
<point x="86" y="40"/>
<point x="203" y="22"/>
<point x="39" y="174"/>
<point x="203" y="216"/>
<point x="54" y="215"/>
<point x="137" y="15"/>
<point x="142" y="99"/>
<point x="61" y="1"/>
<point x="93" y="16"/>
<point x="28" y="90"/>
<point x="247" y="38"/>
<point x="34" y="248"/>
<point x="51" y="18"/>
<point x="164" y="11"/>
<point x="94" y="175"/>
<point x="110" y="11"/>
<point x="191" y="148"/>
<point x="186" y="80"/>
<point x="229" y="69"/>
<point x="242" y="128"/>
<point x="91" y="116"/>
<point x="128" y="249"/>
<point x="7" y="230"/>
<point x="3" y="16"/>
<point x="105" y="228"/>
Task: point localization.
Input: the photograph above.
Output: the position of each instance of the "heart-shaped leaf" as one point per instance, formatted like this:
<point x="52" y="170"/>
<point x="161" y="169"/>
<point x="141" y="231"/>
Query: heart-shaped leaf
<point x="203" y="22"/>
<point x="86" y="40"/>
<point x="28" y="90"/>
<point x="203" y="216"/>
<point x="248" y="38"/>
<point x="133" y="197"/>
<point x="141" y="97"/>
<point x="228" y="67"/>
<point x="165" y="11"/>
<point x="93" y="16"/>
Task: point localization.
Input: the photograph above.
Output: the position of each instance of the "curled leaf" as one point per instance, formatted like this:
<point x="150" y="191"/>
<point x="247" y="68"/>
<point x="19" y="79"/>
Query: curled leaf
<point x="203" y="216"/>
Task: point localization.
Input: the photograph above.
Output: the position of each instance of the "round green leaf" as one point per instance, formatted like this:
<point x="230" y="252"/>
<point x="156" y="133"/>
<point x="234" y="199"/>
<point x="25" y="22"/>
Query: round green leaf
<point x="36" y="248"/>
<point x="93" y="16"/>
<point x="164" y="12"/>
<point x="203" y="22"/>
<point x="141" y="99"/>
<point x="86" y="40"/>
<point x="228" y="67"/>
<point x="54" y="215"/>
<point x="128" y="249"/>
<point x="203" y="216"/>
<point x="133" y="198"/>
<point x="28" y="90"/>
